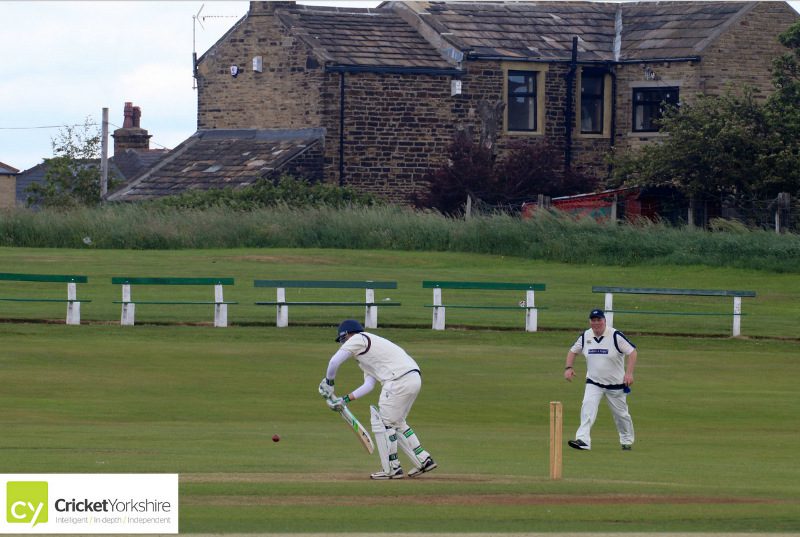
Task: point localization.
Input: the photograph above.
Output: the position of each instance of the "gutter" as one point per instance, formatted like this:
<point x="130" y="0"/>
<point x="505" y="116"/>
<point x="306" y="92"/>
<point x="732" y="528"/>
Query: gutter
<point x="584" y="62"/>
<point x="394" y="70"/>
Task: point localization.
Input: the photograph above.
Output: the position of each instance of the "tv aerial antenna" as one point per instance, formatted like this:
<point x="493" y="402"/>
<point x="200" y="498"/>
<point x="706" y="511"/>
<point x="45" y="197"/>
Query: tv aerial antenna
<point x="198" y="19"/>
<point x="195" y="21"/>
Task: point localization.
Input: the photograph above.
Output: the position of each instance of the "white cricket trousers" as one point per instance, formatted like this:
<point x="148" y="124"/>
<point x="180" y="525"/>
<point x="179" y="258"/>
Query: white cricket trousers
<point x="396" y="399"/>
<point x="618" y="403"/>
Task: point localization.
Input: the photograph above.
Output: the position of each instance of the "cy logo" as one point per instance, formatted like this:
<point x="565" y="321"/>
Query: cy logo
<point x="26" y="502"/>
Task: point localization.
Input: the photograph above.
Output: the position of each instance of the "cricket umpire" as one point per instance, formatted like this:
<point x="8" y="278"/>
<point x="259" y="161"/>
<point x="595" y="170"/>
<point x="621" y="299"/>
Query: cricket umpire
<point x="607" y="375"/>
<point x="382" y="361"/>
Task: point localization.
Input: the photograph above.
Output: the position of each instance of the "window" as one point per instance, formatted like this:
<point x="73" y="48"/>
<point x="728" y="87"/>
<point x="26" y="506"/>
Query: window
<point x="522" y="105"/>
<point x="648" y="106"/>
<point x="592" y="101"/>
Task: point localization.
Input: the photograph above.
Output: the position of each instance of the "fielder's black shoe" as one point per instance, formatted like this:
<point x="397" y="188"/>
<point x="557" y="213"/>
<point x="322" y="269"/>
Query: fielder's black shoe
<point x="578" y="444"/>
<point x="627" y="447"/>
<point x="427" y="466"/>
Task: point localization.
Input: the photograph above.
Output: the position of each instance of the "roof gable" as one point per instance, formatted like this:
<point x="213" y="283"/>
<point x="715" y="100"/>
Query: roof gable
<point x="362" y="37"/>
<point x="676" y="29"/>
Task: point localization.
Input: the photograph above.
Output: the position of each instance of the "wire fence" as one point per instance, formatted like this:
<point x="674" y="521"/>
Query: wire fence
<point x="781" y="214"/>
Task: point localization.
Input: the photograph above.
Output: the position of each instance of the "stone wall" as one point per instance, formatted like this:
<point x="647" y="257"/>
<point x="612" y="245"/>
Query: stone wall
<point x="8" y="191"/>
<point x="286" y="94"/>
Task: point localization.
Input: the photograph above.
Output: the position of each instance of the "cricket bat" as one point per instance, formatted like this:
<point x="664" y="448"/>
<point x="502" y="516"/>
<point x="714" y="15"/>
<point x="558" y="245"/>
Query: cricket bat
<point x="358" y="429"/>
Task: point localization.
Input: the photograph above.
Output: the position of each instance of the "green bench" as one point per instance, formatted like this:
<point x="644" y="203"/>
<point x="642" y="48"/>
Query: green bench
<point x="129" y="305"/>
<point x="528" y="305"/>
<point x="73" y="304"/>
<point x="737" y="302"/>
<point x="282" y="305"/>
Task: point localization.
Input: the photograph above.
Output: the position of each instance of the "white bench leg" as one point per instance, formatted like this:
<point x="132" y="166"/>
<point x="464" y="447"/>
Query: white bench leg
<point x="73" y="307"/>
<point x="438" y="310"/>
<point x="737" y="316"/>
<point x="128" y="308"/>
<point x="531" y="313"/>
<point x="609" y="308"/>
<point x="220" y="309"/>
<point x="282" y="316"/>
<point x="371" y="313"/>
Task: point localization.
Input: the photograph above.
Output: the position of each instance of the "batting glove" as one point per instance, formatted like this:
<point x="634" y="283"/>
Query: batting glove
<point x="336" y="404"/>
<point x="326" y="388"/>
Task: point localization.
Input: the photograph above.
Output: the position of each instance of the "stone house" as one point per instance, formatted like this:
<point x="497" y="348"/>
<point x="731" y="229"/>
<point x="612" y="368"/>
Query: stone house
<point x="8" y="185"/>
<point x="388" y="89"/>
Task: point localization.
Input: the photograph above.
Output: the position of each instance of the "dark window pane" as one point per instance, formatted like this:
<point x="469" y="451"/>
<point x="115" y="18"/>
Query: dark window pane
<point x="522" y="101"/>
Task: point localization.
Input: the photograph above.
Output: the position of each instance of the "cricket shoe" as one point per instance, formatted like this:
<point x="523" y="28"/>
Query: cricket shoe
<point x="578" y="444"/>
<point x="396" y="473"/>
<point x="427" y="466"/>
<point x="627" y="447"/>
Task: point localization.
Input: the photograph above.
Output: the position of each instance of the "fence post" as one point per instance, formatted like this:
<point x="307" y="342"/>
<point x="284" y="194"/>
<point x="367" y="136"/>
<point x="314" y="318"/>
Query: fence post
<point x="737" y="316"/>
<point x="371" y="313"/>
<point x="73" y="306"/>
<point x="438" y="309"/>
<point x="531" y="313"/>
<point x="128" y="307"/>
<point x="220" y="309"/>
<point x="609" y="308"/>
<point x="282" y="318"/>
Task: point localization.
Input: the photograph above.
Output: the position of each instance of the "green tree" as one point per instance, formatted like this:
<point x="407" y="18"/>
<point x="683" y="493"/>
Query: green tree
<point x="72" y="176"/>
<point x="727" y="145"/>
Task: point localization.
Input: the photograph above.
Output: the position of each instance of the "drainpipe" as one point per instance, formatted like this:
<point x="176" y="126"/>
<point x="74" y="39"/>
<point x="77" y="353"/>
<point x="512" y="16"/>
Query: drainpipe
<point x="573" y="67"/>
<point x="341" y="128"/>
<point x="612" y="141"/>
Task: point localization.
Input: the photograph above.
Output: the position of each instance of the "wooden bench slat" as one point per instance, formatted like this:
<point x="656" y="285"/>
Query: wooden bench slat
<point x="465" y="306"/>
<point x="728" y="314"/>
<point x="498" y="286"/>
<point x="121" y="280"/>
<point x="64" y="278"/>
<point x="175" y="302"/>
<point x="43" y="300"/>
<point x="366" y="304"/>
<point x="325" y="284"/>
<point x="669" y="291"/>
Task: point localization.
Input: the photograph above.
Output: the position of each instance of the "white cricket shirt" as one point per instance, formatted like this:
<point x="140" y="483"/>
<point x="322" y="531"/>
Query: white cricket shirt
<point x="377" y="357"/>
<point x="605" y="355"/>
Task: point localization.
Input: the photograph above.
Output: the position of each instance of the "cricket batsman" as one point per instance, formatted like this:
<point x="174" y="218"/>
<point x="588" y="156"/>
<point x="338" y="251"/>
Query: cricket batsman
<point x="382" y="361"/>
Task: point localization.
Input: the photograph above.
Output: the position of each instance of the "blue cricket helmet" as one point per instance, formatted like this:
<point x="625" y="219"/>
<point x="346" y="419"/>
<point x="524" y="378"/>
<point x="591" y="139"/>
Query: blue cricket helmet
<point x="348" y="326"/>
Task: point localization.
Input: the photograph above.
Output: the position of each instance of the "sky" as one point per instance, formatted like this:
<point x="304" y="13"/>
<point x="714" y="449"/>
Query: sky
<point x="63" y="62"/>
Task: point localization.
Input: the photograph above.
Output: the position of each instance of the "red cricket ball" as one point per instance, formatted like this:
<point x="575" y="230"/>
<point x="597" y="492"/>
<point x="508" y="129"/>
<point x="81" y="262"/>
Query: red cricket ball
<point x="276" y="438"/>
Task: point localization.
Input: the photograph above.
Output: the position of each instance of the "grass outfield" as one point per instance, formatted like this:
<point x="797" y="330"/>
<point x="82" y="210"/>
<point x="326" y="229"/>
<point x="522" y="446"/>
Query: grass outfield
<point x="715" y="417"/>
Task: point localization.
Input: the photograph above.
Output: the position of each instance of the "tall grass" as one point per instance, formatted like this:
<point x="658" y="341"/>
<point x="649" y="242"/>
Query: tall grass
<point x="546" y="236"/>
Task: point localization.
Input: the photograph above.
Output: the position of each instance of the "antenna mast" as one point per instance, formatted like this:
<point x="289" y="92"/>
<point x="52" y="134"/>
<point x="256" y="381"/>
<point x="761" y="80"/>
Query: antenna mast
<point x="195" y="21"/>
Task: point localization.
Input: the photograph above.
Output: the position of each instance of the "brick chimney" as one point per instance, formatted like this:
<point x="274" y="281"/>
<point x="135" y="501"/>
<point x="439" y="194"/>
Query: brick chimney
<point x="131" y="135"/>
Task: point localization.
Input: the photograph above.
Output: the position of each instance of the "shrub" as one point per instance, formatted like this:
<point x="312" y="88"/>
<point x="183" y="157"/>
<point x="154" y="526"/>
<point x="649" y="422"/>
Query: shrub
<point x="528" y="169"/>
<point x="286" y="190"/>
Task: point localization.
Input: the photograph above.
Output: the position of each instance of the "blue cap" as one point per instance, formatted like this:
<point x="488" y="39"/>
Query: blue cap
<point x="597" y="314"/>
<point x="348" y="326"/>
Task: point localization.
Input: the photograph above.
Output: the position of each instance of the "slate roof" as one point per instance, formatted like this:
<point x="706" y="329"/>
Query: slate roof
<point x="544" y="30"/>
<point x="132" y="162"/>
<point x="526" y="30"/>
<point x="220" y="158"/>
<point x="675" y="29"/>
<point x="541" y="30"/>
<point x="362" y="37"/>
<point x="5" y="169"/>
